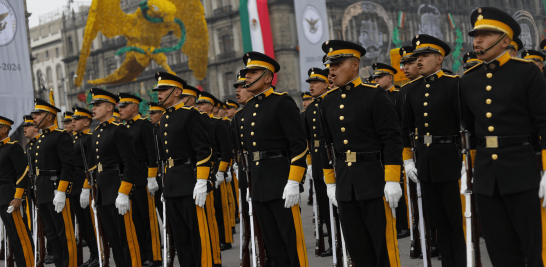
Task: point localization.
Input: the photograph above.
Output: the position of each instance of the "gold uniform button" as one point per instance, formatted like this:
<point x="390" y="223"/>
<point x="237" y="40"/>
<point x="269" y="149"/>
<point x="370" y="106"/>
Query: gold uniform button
<point x="341" y="117"/>
<point x="343" y="95"/>
<point x="426" y="114"/>
<point x="488" y="101"/>
<point x="97" y="157"/>
<point x="315" y="135"/>
<point x="343" y="129"/>
<point x="39" y="141"/>
<point x="494" y="156"/>
<point x="97" y="150"/>
<point x="426" y="124"/>
<point x="167" y="116"/>
<point x="243" y="119"/>
<point x="36" y="154"/>
<point x="489" y="75"/>
<point x="345" y="141"/>
<point x="165" y="134"/>
<point x="348" y="87"/>
<point x="428" y="85"/>
<point x="314" y="120"/>
<point x="491" y="128"/>
<point x="72" y="142"/>
<point x="76" y="137"/>
<point x="38" y="147"/>
<point x="488" y="114"/>
<point x="425" y="104"/>
<point x="166" y="125"/>
<point x="316" y="105"/>
<point x="129" y="126"/>
<point x="254" y="143"/>
<point x="241" y="135"/>
<point x="314" y="127"/>
<point x="253" y="124"/>
<point x="488" y="88"/>
<point x="314" y="112"/>
<point x="426" y="95"/>
<point x="97" y="143"/>
<point x="98" y="136"/>
<point x="257" y="163"/>
<point x="349" y="163"/>
<point x="316" y="150"/>
<point x="257" y="105"/>
<point x="341" y="106"/>
<point x="252" y="133"/>
<point x="165" y="142"/>
<point x="254" y="114"/>
<point x="167" y="151"/>
<point x="241" y="127"/>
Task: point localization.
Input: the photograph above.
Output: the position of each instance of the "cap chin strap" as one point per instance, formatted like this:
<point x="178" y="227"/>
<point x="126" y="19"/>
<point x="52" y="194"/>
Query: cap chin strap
<point x="252" y="83"/>
<point x="38" y="125"/>
<point x="481" y="52"/>
<point x="172" y="91"/>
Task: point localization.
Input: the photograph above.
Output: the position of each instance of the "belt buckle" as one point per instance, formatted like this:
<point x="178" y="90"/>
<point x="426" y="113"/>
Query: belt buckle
<point x="317" y="143"/>
<point x="37" y="171"/>
<point x="171" y="162"/>
<point x="491" y="141"/>
<point x="428" y="139"/>
<point x="350" y="156"/>
<point x="256" y="155"/>
<point x="99" y="167"/>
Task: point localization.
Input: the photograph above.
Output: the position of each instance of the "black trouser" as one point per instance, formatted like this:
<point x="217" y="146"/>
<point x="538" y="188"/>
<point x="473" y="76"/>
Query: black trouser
<point x="145" y="220"/>
<point x="219" y="214"/>
<point x="324" y="206"/>
<point x="368" y="228"/>
<point x="191" y="232"/>
<point x="19" y="236"/>
<point x="60" y="233"/>
<point x="157" y="197"/>
<point x="85" y="223"/>
<point x="285" y="245"/>
<point x="513" y="228"/>
<point x="443" y="205"/>
<point x="234" y="190"/>
<point x="121" y="235"/>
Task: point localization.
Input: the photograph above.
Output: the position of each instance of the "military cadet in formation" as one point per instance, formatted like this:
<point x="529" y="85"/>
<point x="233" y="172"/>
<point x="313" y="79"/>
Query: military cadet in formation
<point x="365" y="184"/>
<point x="505" y="105"/>
<point x="114" y="159"/>
<point x="209" y="103"/>
<point x="14" y="182"/>
<point x="54" y="170"/>
<point x="470" y="59"/>
<point x="67" y="121"/>
<point x="515" y="45"/>
<point x="155" y="112"/>
<point x="383" y="75"/>
<point x="432" y="106"/>
<point x="230" y="208"/>
<point x="144" y="214"/>
<point x="318" y="87"/>
<point x="117" y="117"/>
<point x="306" y="98"/>
<point x="271" y="129"/>
<point x="81" y="120"/>
<point x="231" y="108"/>
<point x="542" y="49"/>
<point x="535" y="56"/>
<point x="188" y="152"/>
<point x="31" y="133"/>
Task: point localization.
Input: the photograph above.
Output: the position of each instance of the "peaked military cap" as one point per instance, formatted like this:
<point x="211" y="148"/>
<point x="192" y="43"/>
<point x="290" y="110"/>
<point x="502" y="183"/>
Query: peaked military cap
<point x="370" y="79"/>
<point x="339" y="50"/>
<point x="543" y="45"/>
<point x="306" y="96"/>
<point x="155" y="107"/>
<point x="191" y="91"/>
<point x="167" y="81"/>
<point x="81" y="113"/>
<point x="424" y="43"/>
<point x="116" y="113"/>
<point x="317" y="74"/>
<point x="67" y="116"/>
<point x="470" y="59"/>
<point x="492" y="19"/>
<point x="240" y="78"/>
<point x="257" y="60"/>
<point x="517" y="44"/>
<point x="5" y="121"/>
<point x="533" y="55"/>
<point x="28" y="121"/>
<point x="232" y="104"/>
<point x="100" y="95"/>
<point x="206" y="97"/>
<point x="41" y="105"/>
<point x="406" y="52"/>
<point x="382" y="69"/>
<point x="128" y="98"/>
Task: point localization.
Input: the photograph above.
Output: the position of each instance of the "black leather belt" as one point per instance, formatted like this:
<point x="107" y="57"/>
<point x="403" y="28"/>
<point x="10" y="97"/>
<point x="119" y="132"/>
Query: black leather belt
<point x="271" y="154"/>
<point x="358" y="156"/>
<point x="430" y="139"/>
<point x="504" y="141"/>
<point x="6" y="181"/>
<point x="103" y="168"/>
<point x="48" y="173"/>
<point x="177" y="162"/>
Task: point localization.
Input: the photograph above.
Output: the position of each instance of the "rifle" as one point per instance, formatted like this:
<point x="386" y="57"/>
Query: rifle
<point x="78" y="235"/>
<point x="413" y="207"/>
<point x="168" y="245"/>
<point x="8" y="252"/>
<point x="319" y="232"/>
<point x="102" y="243"/>
<point x="38" y="227"/>
<point x="473" y="254"/>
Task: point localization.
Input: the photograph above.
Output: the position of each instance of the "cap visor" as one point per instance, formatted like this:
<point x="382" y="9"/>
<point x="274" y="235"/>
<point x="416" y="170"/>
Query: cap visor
<point x="162" y="87"/>
<point x="334" y="60"/>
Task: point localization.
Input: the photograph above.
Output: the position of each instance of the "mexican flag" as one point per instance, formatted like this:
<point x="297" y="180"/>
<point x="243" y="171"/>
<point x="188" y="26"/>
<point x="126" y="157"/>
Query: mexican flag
<point x="256" y="27"/>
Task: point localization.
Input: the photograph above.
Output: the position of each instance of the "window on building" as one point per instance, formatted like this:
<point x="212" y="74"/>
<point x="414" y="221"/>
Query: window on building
<point x="230" y="80"/>
<point x="56" y="52"/>
<point x="59" y="72"/>
<point x="70" y="45"/>
<point x="40" y="79"/>
<point x="226" y="43"/>
<point x="49" y="77"/>
<point x="47" y="54"/>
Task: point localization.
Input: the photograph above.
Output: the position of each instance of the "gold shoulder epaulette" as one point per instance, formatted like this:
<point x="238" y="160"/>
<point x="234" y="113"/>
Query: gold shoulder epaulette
<point x="97" y="127"/>
<point x="452" y="76"/>
<point x="475" y="66"/>
<point x="12" y="143"/>
<point x="420" y="77"/>
<point x="522" y="59"/>
<point x="115" y="123"/>
<point x="370" y="85"/>
<point x="59" y="130"/>
<point x="331" y="90"/>
<point x="218" y="118"/>
<point x="238" y="111"/>
<point x="188" y="108"/>
<point x="396" y="90"/>
<point x="304" y="109"/>
<point x="283" y="93"/>
<point x="141" y="118"/>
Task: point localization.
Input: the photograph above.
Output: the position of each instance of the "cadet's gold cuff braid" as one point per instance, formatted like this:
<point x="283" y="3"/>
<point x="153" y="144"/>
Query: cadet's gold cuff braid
<point x="19" y="192"/>
<point x="125" y="188"/>
<point x="152" y="172"/>
<point x="392" y="173"/>
<point x="63" y="185"/>
<point x="309" y="160"/>
<point x="203" y="172"/>
<point x="296" y="173"/>
<point x="223" y="166"/>
<point x="86" y="184"/>
<point x="407" y="154"/>
<point x="473" y="155"/>
<point x="329" y="176"/>
<point x="544" y="159"/>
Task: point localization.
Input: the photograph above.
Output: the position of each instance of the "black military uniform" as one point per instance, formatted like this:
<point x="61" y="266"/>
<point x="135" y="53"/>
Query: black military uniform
<point x="116" y="114"/>
<point x="154" y="107"/>
<point x="271" y="129"/>
<point x="304" y="97"/>
<point x="229" y="189"/>
<point x="232" y="104"/>
<point x="13" y="184"/>
<point x="54" y="170"/>
<point x="470" y="60"/>
<point x="144" y="214"/>
<point x="433" y="111"/>
<point x="83" y="215"/>
<point x="534" y="56"/>
<point x="67" y="118"/>
<point x="508" y="117"/>
<point x="361" y="122"/>
<point x="188" y="153"/>
<point x="29" y="200"/>
<point x="542" y="47"/>
<point x="114" y="158"/>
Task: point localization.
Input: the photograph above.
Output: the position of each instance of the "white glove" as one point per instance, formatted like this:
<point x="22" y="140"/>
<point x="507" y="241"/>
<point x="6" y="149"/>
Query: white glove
<point x="152" y="185"/>
<point x="122" y="203"/>
<point x="219" y="178"/>
<point x="249" y="203"/>
<point x="162" y="198"/>
<point x="59" y="201"/>
<point x="229" y="177"/>
<point x="291" y="193"/>
<point x="93" y="206"/>
<point x="200" y="192"/>
<point x="309" y="172"/>
<point x="542" y="189"/>
<point x="10" y="209"/>
<point x="247" y="195"/>
<point x="235" y="168"/>
<point x="464" y="186"/>
<point x="331" y="192"/>
<point x="411" y="171"/>
<point x="393" y="192"/>
<point x="84" y="198"/>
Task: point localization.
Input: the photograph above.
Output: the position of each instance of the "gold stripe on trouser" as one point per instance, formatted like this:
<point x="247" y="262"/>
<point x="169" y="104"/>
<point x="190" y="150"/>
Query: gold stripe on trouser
<point x="236" y="191"/>
<point x="463" y="205"/>
<point x="300" y="238"/>
<point x="69" y="232"/>
<point x="231" y="202"/>
<point x="213" y="229"/>
<point x="390" y="234"/>
<point x="23" y="237"/>
<point x="408" y="207"/>
<point x="206" y="258"/>
<point x="156" y="244"/>
<point x="543" y="220"/>
<point x="225" y="209"/>
<point x="27" y="208"/>
<point x="130" y="232"/>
